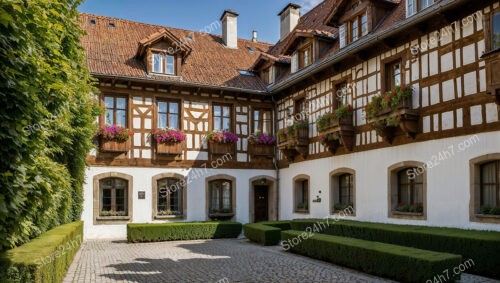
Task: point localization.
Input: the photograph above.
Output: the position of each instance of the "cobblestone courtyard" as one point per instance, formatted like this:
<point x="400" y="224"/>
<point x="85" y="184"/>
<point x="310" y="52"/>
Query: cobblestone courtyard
<point x="223" y="261"/>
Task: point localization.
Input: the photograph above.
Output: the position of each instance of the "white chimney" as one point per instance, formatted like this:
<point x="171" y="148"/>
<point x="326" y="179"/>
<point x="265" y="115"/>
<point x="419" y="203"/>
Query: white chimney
<point x="254" y="36"/>
<point x="289" y="18"/>
<point x="230" y="28"/>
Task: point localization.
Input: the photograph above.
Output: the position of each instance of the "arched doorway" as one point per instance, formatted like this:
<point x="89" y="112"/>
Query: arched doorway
<point x="262" y="199"/>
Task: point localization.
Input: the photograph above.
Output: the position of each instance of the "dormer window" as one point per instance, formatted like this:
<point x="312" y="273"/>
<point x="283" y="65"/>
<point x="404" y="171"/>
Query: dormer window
<point x="305" y="56"/>
<point x="414" y="6"/>
<point x="353" y="29"/>
<point x="163" y="64"/>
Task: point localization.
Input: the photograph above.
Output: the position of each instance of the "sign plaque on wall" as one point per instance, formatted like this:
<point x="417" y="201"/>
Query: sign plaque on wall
<point x="142" y="195"/>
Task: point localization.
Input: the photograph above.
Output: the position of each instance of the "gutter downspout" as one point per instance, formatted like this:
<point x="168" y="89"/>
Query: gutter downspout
<point x="275" y="161"/>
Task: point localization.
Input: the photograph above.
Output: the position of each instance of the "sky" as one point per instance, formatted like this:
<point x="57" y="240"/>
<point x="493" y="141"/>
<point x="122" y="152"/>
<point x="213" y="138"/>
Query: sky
<point x="259" y="15"/>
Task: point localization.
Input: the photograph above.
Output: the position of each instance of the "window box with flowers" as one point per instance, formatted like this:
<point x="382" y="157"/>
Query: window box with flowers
<point x="409" y="209"/>
<point x="331" y="141"/>
<point x="294" y="140"/>
<point x="261" y="145"/>
<point x="114" y="138"/>
<point x="221" y="143"/>
<point x="168" y="141"/>
<point x="392" y="110"/>
<point x="339" y="122"/>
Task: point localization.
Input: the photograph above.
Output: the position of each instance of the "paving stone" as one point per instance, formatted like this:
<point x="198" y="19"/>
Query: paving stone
<point x="217" y="261"/>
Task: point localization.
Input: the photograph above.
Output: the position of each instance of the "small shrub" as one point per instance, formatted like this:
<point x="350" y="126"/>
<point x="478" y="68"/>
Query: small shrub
<point x="182" y="231"/>
<point x="396" y="262"/>
<point x="267" y="233"/>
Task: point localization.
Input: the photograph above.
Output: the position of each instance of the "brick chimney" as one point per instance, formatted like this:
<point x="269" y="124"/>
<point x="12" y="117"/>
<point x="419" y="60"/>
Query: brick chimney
<point x="289" y="18"/>
<point x="230" y="28"/>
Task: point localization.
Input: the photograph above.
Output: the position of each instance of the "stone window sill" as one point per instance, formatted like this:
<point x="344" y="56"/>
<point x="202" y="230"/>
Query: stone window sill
<point x="161" y="217"/>
<point x="113" y="218"/>
<point x="407" y="215"/>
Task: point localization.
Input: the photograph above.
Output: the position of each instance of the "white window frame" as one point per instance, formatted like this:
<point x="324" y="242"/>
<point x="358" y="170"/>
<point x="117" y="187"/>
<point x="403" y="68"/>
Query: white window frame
<point x="167" y="65"/>
<point x="342" y="36"/>
<point x="160" y="60"/>
<point x="411" y="7"/>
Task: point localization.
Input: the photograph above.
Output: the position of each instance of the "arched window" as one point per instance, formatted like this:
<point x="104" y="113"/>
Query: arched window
<point x="407" y="190"/>
<point x="490" y="188"/>
<point x="343" y="190"/>
<point x="114" y="197"/>
<point x="301" y="194"/>
<point x="220" y="194"/>
<point x="410" y="191"/>
<point x="169" y="197"/>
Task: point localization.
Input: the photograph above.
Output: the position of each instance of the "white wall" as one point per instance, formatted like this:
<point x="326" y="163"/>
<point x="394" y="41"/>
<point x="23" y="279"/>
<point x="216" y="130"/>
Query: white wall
<point x="142" y="209"/>
<point x="448" y="184"/>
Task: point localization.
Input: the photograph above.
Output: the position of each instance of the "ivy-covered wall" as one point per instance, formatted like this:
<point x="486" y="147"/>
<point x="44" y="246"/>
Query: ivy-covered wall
<point x="47" y="112"/>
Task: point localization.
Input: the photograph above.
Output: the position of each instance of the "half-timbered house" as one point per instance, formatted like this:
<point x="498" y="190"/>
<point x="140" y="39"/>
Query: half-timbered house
<point x="387" y="109"/>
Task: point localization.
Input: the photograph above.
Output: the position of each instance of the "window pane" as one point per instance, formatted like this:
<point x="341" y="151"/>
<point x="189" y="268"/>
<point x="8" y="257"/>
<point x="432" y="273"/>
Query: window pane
<point x="157" y="63"/>
<point x="217" y="111"/>
<point x="397" y="75"/>
<point x="496" y="31"/>
<point x="226" y="124"/>
<point x="226" y="195"/>
<point x="169" y="63"/>
<point x="488" y="184"/>
<point x="364" y="25"/>
<point x="215" y="196"/>
<point x="256" y="122"/>
<point x="121" y="118"/>
<point x="217" y="123"/>
<point x="226" y="112"/>
<point x="173" y="121"/>
<point x="109" y="120"/>
<point x="162" y="107"/>
<point x="120" y="199"/>
<point x="342" y="36"/>
<point x="106" y="200"/>
<point x="162" y="120"/>
<point x="173" y="107"/>
<point x="355" y="30"/>
<point x="121" y="103"/>
<point x="426" y="3"/>
<point x="109" y="102"/>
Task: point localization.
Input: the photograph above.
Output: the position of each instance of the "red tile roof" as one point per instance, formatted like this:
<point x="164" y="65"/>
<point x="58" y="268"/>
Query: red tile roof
<point x="111" y="52"/>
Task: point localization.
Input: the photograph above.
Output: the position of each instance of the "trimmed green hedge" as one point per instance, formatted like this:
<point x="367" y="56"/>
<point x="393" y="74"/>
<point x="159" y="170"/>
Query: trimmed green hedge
<point x="282" y="224"/>
<point x="267" y="233"/>
<point x="483" y="247"/>
<point x="182" y="231"/>
<point x="43" y="259"/>
<point x="396" y="262"/>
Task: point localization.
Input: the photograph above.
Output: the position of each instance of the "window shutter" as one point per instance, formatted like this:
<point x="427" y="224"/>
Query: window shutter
<point x="295" y="62"/>
<point x="342" y="36"/>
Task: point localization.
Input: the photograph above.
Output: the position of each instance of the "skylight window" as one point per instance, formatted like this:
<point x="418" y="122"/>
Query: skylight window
<point x="250" y="49"/>
<point x="111" y="25"/>
<point x="188" y="37"/>
<point x="92" y="22"/>
<point x="245" y="73"/>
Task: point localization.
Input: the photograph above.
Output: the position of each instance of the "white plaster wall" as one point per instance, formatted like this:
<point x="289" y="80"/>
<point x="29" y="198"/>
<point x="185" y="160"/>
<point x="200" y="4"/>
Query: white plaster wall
<point x="142" y="209"/>
<point x="448" y="189"/>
